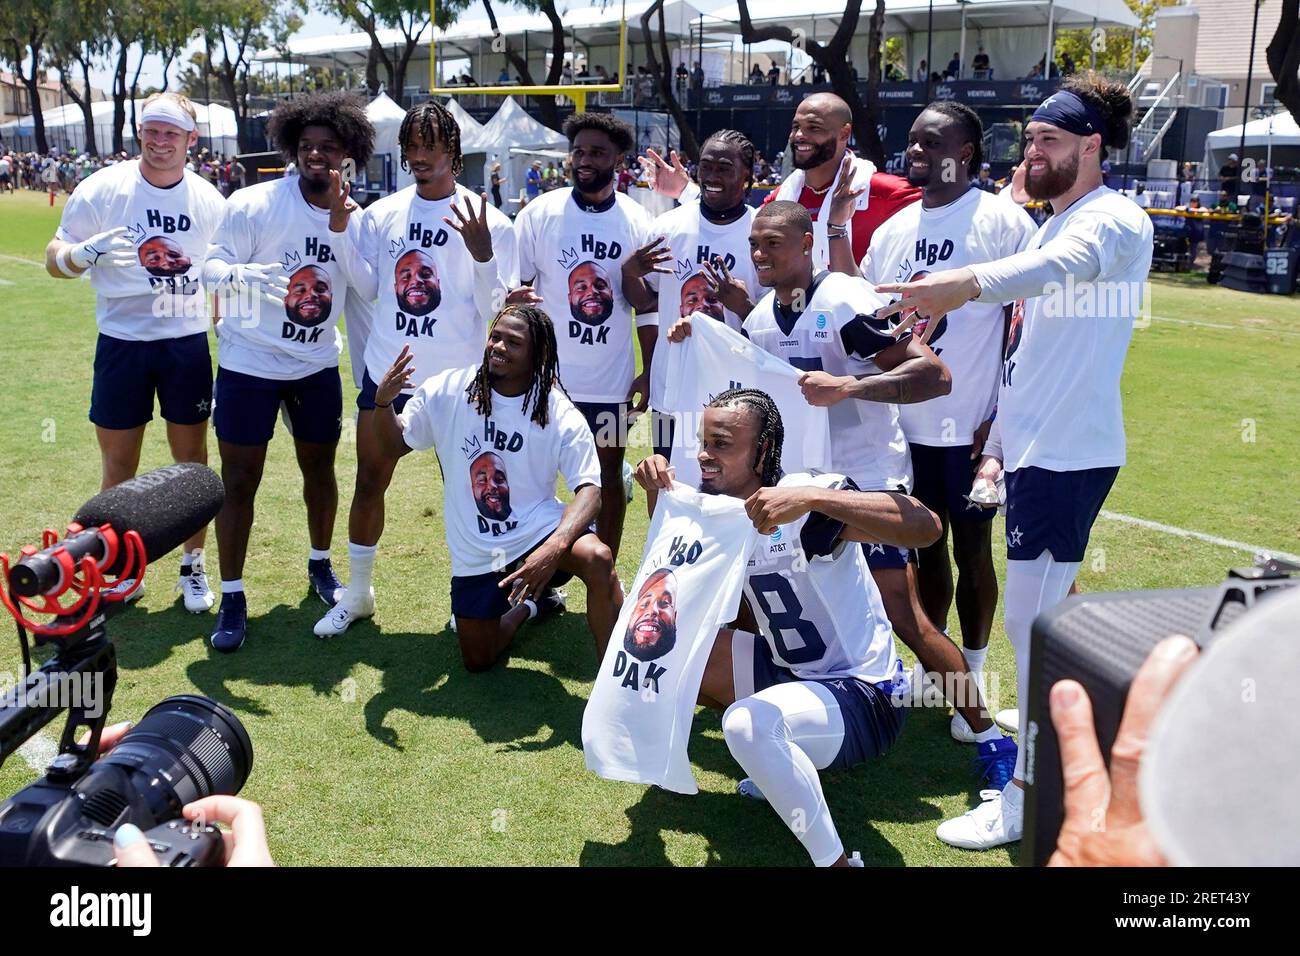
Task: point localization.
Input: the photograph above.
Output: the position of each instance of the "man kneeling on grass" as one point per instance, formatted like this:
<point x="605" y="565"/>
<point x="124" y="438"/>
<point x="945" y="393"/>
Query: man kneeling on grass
<point x="502" y="431"/>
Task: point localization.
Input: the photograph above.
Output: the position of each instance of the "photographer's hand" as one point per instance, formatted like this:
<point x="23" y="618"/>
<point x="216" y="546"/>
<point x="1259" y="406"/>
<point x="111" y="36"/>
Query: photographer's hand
<point x="245" y="841"/>
<point x="1103" y="820"/>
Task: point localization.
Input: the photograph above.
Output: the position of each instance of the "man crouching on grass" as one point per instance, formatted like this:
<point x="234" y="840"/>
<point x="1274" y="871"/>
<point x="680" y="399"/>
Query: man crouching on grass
<point x="502" y="430"/>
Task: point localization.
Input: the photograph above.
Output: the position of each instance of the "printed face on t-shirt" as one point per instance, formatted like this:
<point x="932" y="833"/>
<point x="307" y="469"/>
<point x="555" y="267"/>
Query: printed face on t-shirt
<point x="1017" y="324"/>
<point x="698" y="297"/>
<point x="491" y="486"/>
<point x="919" y="327"/>
<point x="416" y="283"/>
<point x="310" y="298"/>
<point x="652" y="631"/>
<point x="591" y="296"/>
<point x="162" y="257"/>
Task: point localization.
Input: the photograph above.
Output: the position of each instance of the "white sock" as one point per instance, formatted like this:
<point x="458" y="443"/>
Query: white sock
<point x="361" y="559"/>
<point x="1013" y="796"/>
<point x="975" y="661"/>
<point x="532" y="608"/>
<point x="318" y="554"/>
<point x="194" y="559"/>
<point x="232" y="587"/>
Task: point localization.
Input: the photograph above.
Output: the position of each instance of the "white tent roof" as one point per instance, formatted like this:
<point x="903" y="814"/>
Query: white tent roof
<point x="221" y="118"/>
<point x="1284" y="132"/>
<point x="512" y="126"/>
<point x="382" y="109"/>
<point x="471" y="130"/>
<point x="913" y="14"/>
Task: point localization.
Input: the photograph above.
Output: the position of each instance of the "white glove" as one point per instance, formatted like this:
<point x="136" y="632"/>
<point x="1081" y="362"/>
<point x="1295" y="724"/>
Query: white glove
<point x="266" y="279"/>
<point x="110" y="248"/>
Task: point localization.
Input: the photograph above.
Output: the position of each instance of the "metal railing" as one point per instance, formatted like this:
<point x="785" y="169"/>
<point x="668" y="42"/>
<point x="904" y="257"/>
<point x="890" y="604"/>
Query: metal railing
<point x="1155" y="122"/>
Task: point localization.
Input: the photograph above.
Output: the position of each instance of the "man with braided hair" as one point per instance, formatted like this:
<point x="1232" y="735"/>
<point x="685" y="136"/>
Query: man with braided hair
<point x="809" y="676"/>
<point x="504" y="557"/>
<point x="436" y="261"/>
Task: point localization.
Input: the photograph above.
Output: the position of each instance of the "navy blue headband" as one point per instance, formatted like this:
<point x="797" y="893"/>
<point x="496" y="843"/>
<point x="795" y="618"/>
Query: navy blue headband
<point x="1070" y="112"/>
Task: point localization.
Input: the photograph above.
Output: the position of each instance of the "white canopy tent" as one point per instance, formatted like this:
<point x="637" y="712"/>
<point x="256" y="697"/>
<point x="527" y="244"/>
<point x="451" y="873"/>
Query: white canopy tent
<point x="471" y="130"/>
<point x="511" y="138"/>
<point x="1270" y="142"/>
<point x="386" y="117"/>
<point x="65" y="128"/>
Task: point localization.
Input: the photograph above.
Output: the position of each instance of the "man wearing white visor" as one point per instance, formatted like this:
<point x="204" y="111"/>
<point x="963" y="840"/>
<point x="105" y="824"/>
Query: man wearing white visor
<point x="141" y="230"/>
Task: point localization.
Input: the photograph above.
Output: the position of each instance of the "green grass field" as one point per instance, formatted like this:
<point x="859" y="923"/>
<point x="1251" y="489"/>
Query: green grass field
<point x="379" y="748"/>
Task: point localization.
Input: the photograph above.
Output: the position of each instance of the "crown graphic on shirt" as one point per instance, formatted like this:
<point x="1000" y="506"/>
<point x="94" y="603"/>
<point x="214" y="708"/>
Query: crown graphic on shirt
<point x="682" y="268"/>
<point x="472" y="448"/>
<point x="135" y="233"/>
<point x="568" y="258"/>
<point x="291" y="261"/>
<point x="396" y="247"/>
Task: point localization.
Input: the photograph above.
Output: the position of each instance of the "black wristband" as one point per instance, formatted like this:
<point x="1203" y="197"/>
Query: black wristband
<point x="389" y="405"/>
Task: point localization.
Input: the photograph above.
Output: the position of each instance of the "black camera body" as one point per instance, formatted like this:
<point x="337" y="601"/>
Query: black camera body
<point x="1101" y="640"/>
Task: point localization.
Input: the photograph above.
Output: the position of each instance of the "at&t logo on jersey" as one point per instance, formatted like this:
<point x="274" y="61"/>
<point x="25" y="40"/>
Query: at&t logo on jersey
<point x="822" y="320"/>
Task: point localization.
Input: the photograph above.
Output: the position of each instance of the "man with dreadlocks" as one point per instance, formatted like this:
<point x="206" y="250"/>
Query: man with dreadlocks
<point x="702" y="246"/>
<point x="439" y="260"/>
<point x="283" y="346"/>
<point x="812" y="681"/>
<point x="502" y="431"/>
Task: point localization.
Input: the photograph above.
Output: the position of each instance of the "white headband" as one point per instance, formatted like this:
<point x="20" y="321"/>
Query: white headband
<point x="167" y="111"/>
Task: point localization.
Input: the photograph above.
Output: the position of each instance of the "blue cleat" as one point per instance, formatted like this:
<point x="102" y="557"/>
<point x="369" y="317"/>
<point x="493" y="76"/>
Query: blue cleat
<point x="996" y="762"/>
<point x="232" y="623"/>
<point x="324" y="581"/>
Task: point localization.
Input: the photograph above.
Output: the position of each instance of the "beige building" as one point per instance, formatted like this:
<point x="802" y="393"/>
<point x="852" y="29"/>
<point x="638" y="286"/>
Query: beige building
<point x="15" y="101"/>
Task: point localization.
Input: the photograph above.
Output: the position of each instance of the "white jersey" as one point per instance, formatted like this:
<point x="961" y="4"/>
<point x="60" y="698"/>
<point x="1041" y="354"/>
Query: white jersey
<point x="638" y="719"/>
<point x="814" y="599"/>
<point x="272" y="222"/>
<point x="171" y="229"/>
<point x="694" y="240"/>
<point x="917" y="241"/>
<point x="498" y="473"/>
<point x="574" y="257"/>
<point x="429" y="286"/>
<point x="713" y="359"/>
<point x="1083" y="280"/>
<point x="837" y="333"/>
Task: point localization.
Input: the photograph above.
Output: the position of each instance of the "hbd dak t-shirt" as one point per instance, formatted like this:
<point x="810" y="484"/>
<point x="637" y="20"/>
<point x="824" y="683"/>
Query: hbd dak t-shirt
<point x="837" y="333"/>
<point x="693" y="240"/>
<point x="814" y="599"/>
<point x="432" y="294"/>
<point x="713" y="359"/>
<point x="638" y="718"/>
<point x="913" y="243"/>
<point x="272" y="222"/>
<point x="574" y="257"/>
<point x="171" y="229"/>
<point x="498" y="472"/>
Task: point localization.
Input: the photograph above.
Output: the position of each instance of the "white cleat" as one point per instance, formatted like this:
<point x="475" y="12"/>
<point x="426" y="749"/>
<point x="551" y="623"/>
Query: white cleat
<point x="345" y="613"/>
<point x="856" y="859"/>
<point x="993" y="823"/>
<point x="194" y="587"/>
<point x="126" y="586"/>
<point x="960" y="730"/>
<point x="1008" y="720"/>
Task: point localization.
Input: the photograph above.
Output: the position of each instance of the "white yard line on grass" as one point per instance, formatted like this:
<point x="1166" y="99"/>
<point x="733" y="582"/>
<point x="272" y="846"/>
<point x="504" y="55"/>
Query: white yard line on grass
<point x="1224" y="326"/>
<point x="38" y="752"/>
<point x="1198" y="535"/>
<point x="22" y="259"/>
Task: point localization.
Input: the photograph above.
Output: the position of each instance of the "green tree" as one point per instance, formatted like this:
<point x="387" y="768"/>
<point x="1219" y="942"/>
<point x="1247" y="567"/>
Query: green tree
<point x="408" y="17"/>
<point x="1111" y="50"/>
<point x="501" y="44"/>
<point x="24" y="29"/>
<point x="77" y="45"/>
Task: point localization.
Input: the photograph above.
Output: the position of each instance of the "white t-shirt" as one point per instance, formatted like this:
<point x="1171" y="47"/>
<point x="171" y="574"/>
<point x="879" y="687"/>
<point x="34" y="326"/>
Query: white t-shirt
<point x="915" y="242"/>
<point x="424" y="273"/>
<point x="171" y="228"/>
<point x="638" y="719"/>
<point x="575" y="258"/>
<point x="498" y="473"/>
<point x="814" y="598"/>
<point x="1083" y="280"/>
<point x="272" y="222"/>
<point x="713" y="359"/>
<point x="837" y="334"/>
<point x="694" y="240"/>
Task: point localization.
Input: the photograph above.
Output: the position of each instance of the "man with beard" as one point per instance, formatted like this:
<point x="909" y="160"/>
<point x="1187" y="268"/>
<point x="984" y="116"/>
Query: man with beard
<point x="415" y="280"/>
<point x="428" y="234"/>
<point x="568" y="231"/>
<point x="699" y="253"/>
<point x="809" y="677"/>
<point x="1059" y="432"/>
<point x="819" y="148"/>
<point x="288" y="356"/>
<point x="152" y="319"/>
<point x="487" y="476"/>
<point x="953" y="226"/>
<point x="162" y="257"/>
<point x="309" y="299"/>
<point x="652" y="632"/>
<point x="591" y="297"/>
<point x="503" y="568"/>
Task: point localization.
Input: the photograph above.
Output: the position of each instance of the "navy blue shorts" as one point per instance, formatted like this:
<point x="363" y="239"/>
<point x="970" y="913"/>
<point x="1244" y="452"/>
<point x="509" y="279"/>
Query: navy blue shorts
<point x="247" y="407"/>
<point x="663" y="428"/>
<point x="607" y="421"/>
<point x="366" y="397"/>
<point x="873" y="713"/>
<point x="477" y="595"/>
<point x="127" y="374"/>
<point x="942" y="478"/>
<point x="1054" y="511"/>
